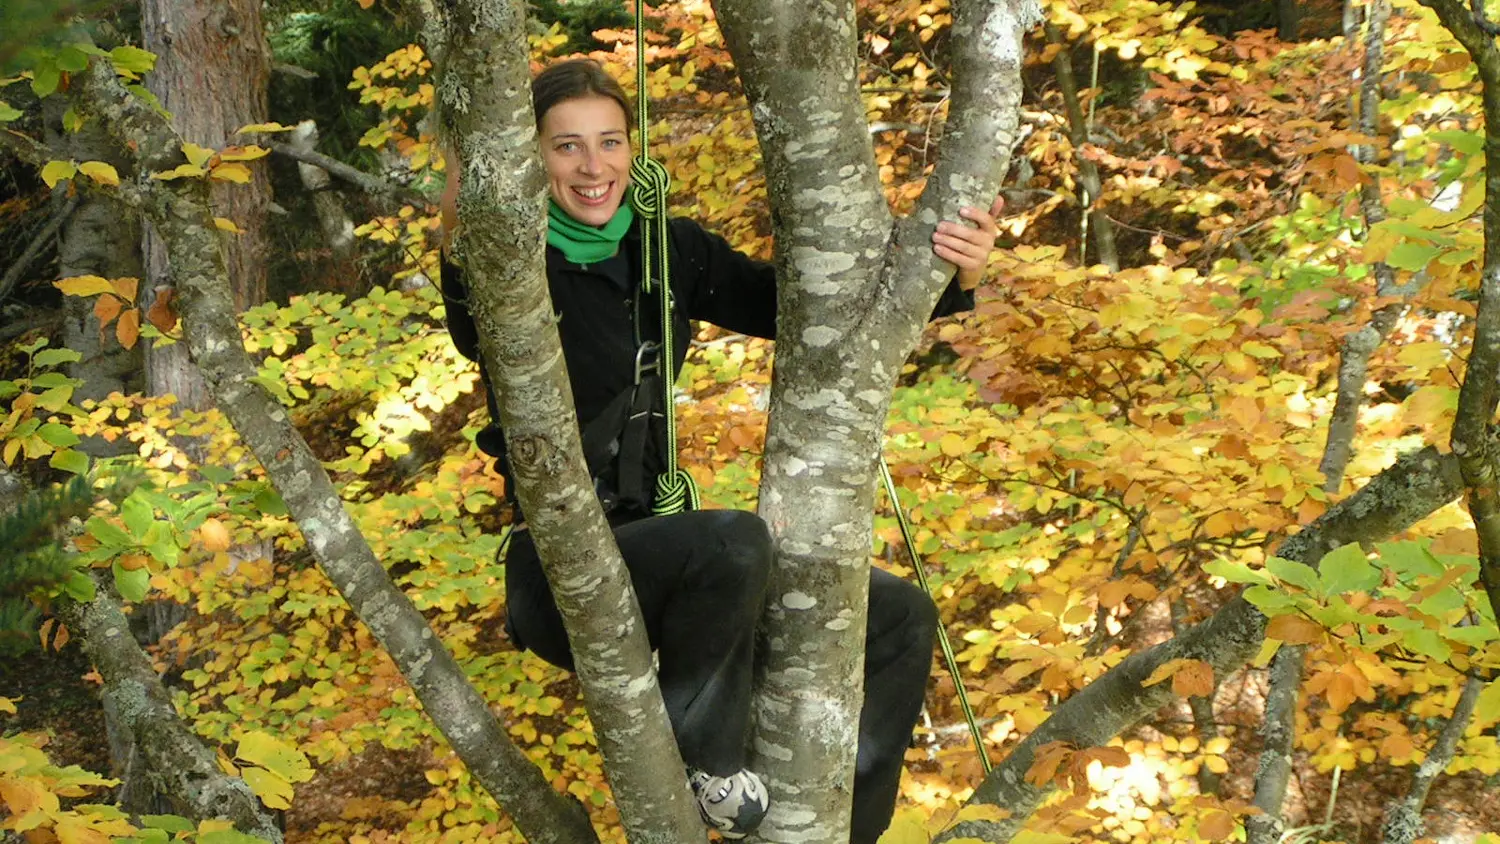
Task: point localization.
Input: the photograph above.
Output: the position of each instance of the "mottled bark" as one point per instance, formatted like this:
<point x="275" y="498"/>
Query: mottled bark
<point x="211" y="71"/>
<point x="180" y="211"/>
<point x="1477" y="396"/>
<point x="1278" y="729"/>
<point x="854" y="293"/>
<point x="180" y="766"/>
<point x="1078" y="133"/>
<point x="1357" y="346"/>
<point x="338" y="229"/>
<point x="1403" y="824"/>
<point x="1397" y="498"/>
<point x="485" y="102"/>
<point x="1202" y="707"/>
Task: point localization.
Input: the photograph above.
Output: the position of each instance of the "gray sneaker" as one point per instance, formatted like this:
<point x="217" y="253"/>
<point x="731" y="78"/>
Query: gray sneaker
<point x="734" y="805"/>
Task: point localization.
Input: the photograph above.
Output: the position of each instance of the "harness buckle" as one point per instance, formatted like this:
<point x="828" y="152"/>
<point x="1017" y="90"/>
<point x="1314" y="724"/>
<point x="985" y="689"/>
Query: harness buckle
<point x="647" y="360"/>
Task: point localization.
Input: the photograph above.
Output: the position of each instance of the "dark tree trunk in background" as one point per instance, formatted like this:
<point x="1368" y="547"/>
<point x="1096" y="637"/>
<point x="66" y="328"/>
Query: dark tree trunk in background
<point x="211" y="72"/>
<point x="1287" y="15"/>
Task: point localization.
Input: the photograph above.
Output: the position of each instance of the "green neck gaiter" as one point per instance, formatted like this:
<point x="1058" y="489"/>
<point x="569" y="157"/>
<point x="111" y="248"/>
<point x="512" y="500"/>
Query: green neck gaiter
<point x="582" y="243"/>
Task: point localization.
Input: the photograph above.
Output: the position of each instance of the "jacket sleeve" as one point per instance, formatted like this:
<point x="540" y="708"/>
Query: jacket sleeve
<point x="736" y="292"/>
<point x="722" y="285"/>
<point x="456" y="306"/>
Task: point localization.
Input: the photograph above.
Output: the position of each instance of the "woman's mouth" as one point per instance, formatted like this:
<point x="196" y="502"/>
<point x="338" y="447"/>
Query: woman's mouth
<point x="593" y="195"/>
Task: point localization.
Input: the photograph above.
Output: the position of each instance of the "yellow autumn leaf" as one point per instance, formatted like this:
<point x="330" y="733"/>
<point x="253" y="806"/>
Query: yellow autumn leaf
<point x="272" y="790"/>
<point x="237" y="173"/>
<point x="57" y="171"/>
<point x="84" y="285"/>
<point x="101" y="172"/>
<point x="197" y="155"/>
<point x="8" y="705"/>
<point x="244" y="153"/>
<point x="181" y="171"/>
<point x="224" y="224"/>
<point x="953" y="445"/>
<point x="263" y="127"/>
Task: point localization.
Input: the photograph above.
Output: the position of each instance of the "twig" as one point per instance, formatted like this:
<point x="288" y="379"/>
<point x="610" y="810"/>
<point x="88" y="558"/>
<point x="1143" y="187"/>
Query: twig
<point x="1404" y="823"/>
<point x="13" y="275"/>
<point x="354" y="176"/>
<point x="1277" y="730"/>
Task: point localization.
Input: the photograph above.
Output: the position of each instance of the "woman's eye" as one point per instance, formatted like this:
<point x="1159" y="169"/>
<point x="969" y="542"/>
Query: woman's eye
<point x="611" y="143"/>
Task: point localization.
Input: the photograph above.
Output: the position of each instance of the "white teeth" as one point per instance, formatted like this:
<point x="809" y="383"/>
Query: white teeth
<point x="594" y="193"/>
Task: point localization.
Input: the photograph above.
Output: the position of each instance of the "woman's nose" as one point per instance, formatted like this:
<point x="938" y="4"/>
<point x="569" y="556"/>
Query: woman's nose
<point x="590" y="163"/>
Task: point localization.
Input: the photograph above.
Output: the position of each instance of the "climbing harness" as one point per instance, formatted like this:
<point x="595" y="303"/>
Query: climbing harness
<point x="948" y="655"/>
<point x="676" y="492"/>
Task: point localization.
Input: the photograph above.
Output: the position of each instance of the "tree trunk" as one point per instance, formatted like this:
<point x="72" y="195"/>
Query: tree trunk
<point x="211" y="72"/>
<point x="1288" y="19"/>
<point x="854" y="293"/>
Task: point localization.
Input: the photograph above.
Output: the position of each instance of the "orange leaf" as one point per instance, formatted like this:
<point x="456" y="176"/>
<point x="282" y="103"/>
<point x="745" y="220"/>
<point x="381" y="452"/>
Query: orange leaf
<point x="1216" y="826"/>
<point x="1295" y="629"/>
<point x="161" y="314"/>
<point x="62" y="637"/>
<point x="129" y="328"/>
<point x="46" y="631"/>
<point x="1194" y="679"/>
<point x="1114" y="593"/>
<point x="1049" y="757"/>
<point x="126" y="288"/>
<point x="214" y="535"/>
<point x="106" y="308"/>
<point x="1397" y="746"/>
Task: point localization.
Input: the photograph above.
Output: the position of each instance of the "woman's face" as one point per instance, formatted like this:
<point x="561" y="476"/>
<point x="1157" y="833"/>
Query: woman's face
<point x="586" y="147"/>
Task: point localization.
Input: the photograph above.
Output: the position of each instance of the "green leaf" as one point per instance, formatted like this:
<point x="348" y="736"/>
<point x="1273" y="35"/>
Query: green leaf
<point x="1346" y="570"/>
<point x="132" y="584"/>
<point x="72" y="59"/>
<point x="58" y="436"/>
<point x="232" y="836"/>
<point x="130" y="61"/>
<point x="53" y="357"/>
<point x="275" y="755"/>
<point x="1487" y="710"/>
<point x="216" y="474"/>
<point x="142" y="93"/>
<point x="69" y="460"/>
<point x="49" y="380"/>
<point x="1409" y="558"/>
<point x="72" y="121"/>
<point x="79" y="586"/>
<point x="1445" y="601"/>
<point x="7" y="113"/>
<point x="170" y="823"/>
<point x="8" y="389"/>
<point x="1428" y="643"/>
<point x="1270" y="601"/>
<point x="138" y="516"/>
<point x="270" y="503"/>
<point x="108" y="534"/>
<point x="1237" y="572"/>
<point x="1412" y="256"/>
<point x="1298" y="574"/>
<point x="1468" y="143"/>
<point x="45" y="76"/>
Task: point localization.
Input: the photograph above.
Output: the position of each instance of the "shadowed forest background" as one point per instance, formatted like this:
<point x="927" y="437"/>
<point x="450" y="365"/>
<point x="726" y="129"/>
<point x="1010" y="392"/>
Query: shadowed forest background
<point x="1237" y="279"/>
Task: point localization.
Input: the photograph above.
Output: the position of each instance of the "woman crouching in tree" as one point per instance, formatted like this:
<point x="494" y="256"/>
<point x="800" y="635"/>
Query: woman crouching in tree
<point x="700" y="577"/>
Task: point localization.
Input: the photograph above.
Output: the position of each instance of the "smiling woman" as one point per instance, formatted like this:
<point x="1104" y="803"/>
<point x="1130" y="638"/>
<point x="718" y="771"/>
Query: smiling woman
<point x="700" y="577"/>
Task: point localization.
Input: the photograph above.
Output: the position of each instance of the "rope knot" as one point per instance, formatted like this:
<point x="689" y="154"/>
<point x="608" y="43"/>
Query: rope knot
<point x="676" y="492"/>
<point x="649" y="184"/>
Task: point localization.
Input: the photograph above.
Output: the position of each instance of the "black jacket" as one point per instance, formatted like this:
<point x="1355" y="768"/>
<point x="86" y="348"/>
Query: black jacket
<point x="603" y="319"/>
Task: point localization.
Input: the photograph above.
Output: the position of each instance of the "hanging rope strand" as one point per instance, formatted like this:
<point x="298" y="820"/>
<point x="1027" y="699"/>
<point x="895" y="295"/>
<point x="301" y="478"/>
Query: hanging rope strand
<point x="676" y="491"/>
<point x="948" y="655"/>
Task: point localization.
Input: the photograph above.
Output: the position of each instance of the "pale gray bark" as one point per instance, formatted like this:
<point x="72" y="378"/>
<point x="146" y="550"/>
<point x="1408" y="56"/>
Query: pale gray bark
<point x="1202" y="707"/>
<point x="338" y="229"/>
<point x="1403" y="824"/>
<point x="485" y="102"/>
<point x="1410" y="490"/>
<point x="1278" y="729"/>
<point x="180" y="212"/>
<point x="180" y="766"/>
<point x="1355" y="351"/>
<point x="854" y="293"/>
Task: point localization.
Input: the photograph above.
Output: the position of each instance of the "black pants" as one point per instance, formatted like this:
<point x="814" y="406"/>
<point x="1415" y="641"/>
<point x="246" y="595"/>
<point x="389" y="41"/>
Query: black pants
<point x="700" y="579"/>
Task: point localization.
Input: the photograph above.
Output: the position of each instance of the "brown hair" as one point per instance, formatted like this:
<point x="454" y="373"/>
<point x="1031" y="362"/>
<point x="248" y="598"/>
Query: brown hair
<point x="574" y="79"/>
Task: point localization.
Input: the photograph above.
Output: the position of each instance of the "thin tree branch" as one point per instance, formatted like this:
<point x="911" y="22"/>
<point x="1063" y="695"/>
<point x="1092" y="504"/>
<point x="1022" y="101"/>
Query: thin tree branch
<point x="1202" y="706"/>
<point x="1088" y="171"/>
<point x="1278" y="729"/>
<point x="353" y="175"/>
<point x="34" y="248"/>
<point x="180" y="766"/>
<point x="1404" y="823"/>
